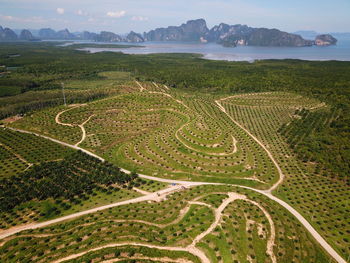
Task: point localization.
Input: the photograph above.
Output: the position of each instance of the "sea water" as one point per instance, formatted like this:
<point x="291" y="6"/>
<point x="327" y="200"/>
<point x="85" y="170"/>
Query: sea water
<point x="341" y="51"/>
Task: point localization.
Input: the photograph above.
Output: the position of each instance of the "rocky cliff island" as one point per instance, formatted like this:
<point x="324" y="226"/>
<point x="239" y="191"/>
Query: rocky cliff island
<point x="325" y="40"/>
<point x="232" y="35"/>
<point x="191" y="31"/>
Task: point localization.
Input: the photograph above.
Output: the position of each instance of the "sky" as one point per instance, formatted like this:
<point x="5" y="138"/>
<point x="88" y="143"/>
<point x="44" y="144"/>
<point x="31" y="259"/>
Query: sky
<point x="143" y="15"/>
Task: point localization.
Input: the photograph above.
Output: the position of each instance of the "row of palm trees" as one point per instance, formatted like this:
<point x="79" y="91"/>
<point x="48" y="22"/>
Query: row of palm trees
<point x="76" y="175"/>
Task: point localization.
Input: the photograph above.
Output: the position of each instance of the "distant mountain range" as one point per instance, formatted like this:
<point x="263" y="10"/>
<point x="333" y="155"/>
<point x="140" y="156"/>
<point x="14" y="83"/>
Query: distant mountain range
<point x="7" y="34"/>
<point x="227" y="35"/>
<point x="191" y="31"/>
<point x="233" y="35"/>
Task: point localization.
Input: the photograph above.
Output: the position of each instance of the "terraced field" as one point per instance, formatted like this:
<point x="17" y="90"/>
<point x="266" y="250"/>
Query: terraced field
<point x="39" y="177"/>
<point x="224" y="158"/>
<point x="321" y="199"/>
<point x="241" y="227"/>
<point x="154" y="132"/>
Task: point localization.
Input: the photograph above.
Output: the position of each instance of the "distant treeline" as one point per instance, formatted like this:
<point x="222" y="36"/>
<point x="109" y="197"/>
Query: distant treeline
<point x="31" y="101"/>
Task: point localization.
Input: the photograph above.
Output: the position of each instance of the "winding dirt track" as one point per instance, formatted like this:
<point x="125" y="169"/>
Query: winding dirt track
<point x="259" y="142"/>
<point x="141" y="87"/>
<point x="192" y="247"/>
<point x="156" y="196"/>
<point x="268" y="194"/>
<point x="178" y="186"/>
<point x="218" y="214"/>
<point x="57" y="118"/>
<point x="81" y="126"/>
<point x="234" y="143"/>
<point x="194" y="251"/>
<point x="271" y="240"/>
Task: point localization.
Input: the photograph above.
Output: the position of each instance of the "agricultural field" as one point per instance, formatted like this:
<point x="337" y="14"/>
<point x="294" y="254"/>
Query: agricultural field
<point x="20" y="151"/>
<point x="78" y="182"/>
<point x="323" y="200"/>
<point x="171" y="158"/>
<point x="245" y="227"/>
<point x="76" y="91"/>
<point x="158" y="133"/>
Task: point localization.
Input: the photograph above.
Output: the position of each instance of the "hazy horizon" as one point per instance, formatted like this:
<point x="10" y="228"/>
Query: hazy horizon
<point x="125" y="33"/>
<point x="142" y="15"/>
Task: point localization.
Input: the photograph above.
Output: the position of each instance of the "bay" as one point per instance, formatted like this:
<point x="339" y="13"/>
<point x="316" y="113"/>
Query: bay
<point x="213" y="51"/>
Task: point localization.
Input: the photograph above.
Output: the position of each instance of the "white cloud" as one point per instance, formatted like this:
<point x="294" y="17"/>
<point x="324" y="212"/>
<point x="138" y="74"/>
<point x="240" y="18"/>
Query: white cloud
<point x="139" y="18"/>
<point x="116" y="14"/>
<point x="81" y="13"/>
<point x="60" y="11"/>
<point x="32" y="19"/>
<point x="7" y="18"/>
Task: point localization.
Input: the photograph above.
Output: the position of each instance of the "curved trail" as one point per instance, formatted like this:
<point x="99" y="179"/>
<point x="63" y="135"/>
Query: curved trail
<point x="271" y="240"/>
<point x="156" y="196"/>
<point x="81" y="126"/>
<point x="140" y="86"/>
<point x="218" y="214"/>
<point x="194" y="251"/>
<point x="57" y="118"/>
<point x="149" y="259"/>
<point x="192" y="247"/>
<point x="234" y="143"/>
<point x="156" y="85"/>
<point x="281" y="175"/>
<point x="267" y="193"/>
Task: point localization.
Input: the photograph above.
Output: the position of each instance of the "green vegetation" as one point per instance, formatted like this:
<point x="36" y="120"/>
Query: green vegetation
<point x="34" y="100"/>
<point x="70" y="181"/>
<point x="136" y="254"/>
<point x="186" y="118"/>
<point x="149" y="185"/>
<point x="9" y="91"/>
<point x="89" y="45"/>
<point x="174" y="222"/>
<point x="45" y="65"/>
<point x="37" y="211"/>
<point x="312" y="138"/>
<point x="76" y="175"/>
<point x="163" y="134"/>
<point x="320" y="198"/>
<point x="19" y="151"/>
